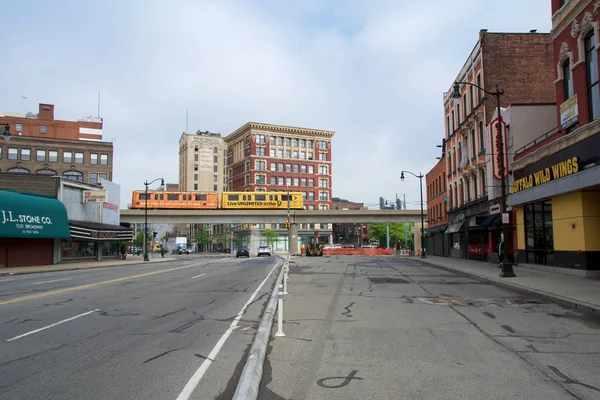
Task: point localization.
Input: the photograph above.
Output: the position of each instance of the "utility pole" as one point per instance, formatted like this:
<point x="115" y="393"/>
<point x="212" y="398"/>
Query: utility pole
<point x="387" y="234"/>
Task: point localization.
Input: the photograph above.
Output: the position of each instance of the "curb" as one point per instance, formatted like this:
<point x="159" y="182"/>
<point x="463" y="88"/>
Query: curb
<point x="80" y="268"/>
<point x="249" y="383"/>
<point x="580" y="305"/>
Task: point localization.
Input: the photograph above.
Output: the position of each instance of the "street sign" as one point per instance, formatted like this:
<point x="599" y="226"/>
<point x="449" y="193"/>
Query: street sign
<point x="505" y="218"/>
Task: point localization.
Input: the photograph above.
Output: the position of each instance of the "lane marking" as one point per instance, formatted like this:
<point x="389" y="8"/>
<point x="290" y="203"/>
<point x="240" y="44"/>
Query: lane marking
<point x="53" y="325"/>
<point x="91" y="285"/>
<point x="6" y="280"/>
<point x="197" y="276"/>
<point x="195" y="379"/>
<point x="55" y="280"/>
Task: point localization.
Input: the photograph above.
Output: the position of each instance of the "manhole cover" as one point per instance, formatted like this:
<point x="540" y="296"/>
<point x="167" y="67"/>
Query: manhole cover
<point x="388" y="280"/>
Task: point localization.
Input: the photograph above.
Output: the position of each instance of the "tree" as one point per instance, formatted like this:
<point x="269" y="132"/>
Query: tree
<point x="203" y="236"/>
<point x="398" y="234"/>
<point x="272" y="236"/>
<point x="139" y="239"/>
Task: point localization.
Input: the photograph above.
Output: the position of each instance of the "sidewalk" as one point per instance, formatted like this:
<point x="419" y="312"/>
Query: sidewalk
<point x="578" y="292"/>
<point x="80" y="265"/>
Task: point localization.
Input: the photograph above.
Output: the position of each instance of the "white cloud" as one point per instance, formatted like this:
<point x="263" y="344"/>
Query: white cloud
<point x="372" y="71"/>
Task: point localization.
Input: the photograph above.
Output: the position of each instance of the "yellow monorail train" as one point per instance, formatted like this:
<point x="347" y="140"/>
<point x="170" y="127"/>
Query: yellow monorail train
<point x="209" y="200"/>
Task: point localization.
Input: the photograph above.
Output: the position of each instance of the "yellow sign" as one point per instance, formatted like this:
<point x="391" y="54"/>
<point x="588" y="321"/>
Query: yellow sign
<point x="560" y="170"/>
<point x="569" y="112"/>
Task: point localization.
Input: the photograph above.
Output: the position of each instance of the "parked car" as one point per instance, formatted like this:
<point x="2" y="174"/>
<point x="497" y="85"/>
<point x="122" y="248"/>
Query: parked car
<point x="264" y="251"/>
<point x="242" y="252"/>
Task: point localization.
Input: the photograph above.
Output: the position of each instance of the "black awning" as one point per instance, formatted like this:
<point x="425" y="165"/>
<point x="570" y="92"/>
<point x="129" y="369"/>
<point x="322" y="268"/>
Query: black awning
<point x="453" y="228"/>
<point x="491" y="221"/>
<point x="97" y="231"/>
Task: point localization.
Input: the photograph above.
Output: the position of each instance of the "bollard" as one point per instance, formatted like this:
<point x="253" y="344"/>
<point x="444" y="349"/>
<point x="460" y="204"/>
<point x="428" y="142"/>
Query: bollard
<point x="280" y="313"/>
<point x="285" y="275"/>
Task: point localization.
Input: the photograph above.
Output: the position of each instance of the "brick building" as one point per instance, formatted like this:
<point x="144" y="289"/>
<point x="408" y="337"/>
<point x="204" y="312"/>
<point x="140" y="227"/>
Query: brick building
<point x="202" y="162"/>
<point x="556" y="186"/>
<point x="349" y="234"/>
<point x="264" y="157"/>
<point x="39" y="144"/>
<point x="437" y="202"/>
<point x="519" y="63"/>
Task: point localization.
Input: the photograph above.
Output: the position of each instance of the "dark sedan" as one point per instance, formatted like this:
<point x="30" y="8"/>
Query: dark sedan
<point x="242" y="252"/>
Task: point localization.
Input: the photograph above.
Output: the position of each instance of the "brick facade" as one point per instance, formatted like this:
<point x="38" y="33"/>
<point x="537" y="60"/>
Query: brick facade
<point x="38" y="184"/>
<point x="436" y="194"/>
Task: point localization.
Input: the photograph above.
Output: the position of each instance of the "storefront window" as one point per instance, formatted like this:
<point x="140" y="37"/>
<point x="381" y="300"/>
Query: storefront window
<point x="539" y="238"/>
<point x="78" y="249"/>
<point x="110" y="249"/>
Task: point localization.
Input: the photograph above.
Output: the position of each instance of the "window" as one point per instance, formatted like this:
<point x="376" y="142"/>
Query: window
<point x="247" y="166"/>
<point x="173" y="196"/>
<point x="260" y="179"/>
<point x="539" y="233"/>
<point x="468" y="189"/>
<point x="302" y="143"/>
<point x="296" y="182"/>
<point x="18" y="127"/>
<point x="288" y="142"/>
<point x="310" y="155"/>
<point x="448" y="126"/>
<point x="94" y="158"/>
<point x="195" y="167"/>
<point x="272" y="152"/>
<point x="280" y="181"/>
<point x="478" y="90"/>
<point x="311" y="169"/>
<point x="195" y="177"/>
<point x="303" y="169"/>
<point x="73" y="175"/>
<point x="280" y="153"/>
<point x="288" y="167"/>
<point x="295" y="154"/>
<point x="67" y="157"/>
<point x="303" y="195"/>
<point x="103" y="176"/>
<point x="296" y="168"/>
<point x="303" y="155"/>
<point x="78" y="158"/>
<point x="303" y="182"/>
<point x="591" y="61"/>
<point x="323" y="156"/>
<point x="311" y="195"/>
<point x="465" y="106"/>
<point x="295" y="142"/>
<point x="311" y="182"/>
<point x="322" y="144"/>
<point x="323" y="170"/>
<point x="288" y="181"/>
<point x="0" y="152"/>
<point x="459" y="155"/>
<point x="18" y="171"/>
<point x="46" y="171"/>
<point x="481" y="138"/>
<point x="216" y="158"/>
<point x="473" y="148"/>
<point x="53" y="156"/>
<point x="471" y="96"/>
<point x="42" y="128"/>
<point x="93" y="178"/>
<point x="273" y="180"/>
<point x="288" y="154"/>
<point x="40" y="155"/>
<point x="475" y="186"/>
<point x="215" y="178"/>
<point x="309" y="143"/>
<point x="13" y="154"/>
<point x="200" y="197"/>
<point x="195" y="157"/>
<point x="453" y="124"/>
<point x="261" y="165"/>
<point x="215" y="168"/>
<point x="458" y="113"/>
<point x="196" y="148"/>
<point x="483" y="187"/>
<point x="280" y="167"/>
<point x="323" y="196"/>
<point x="25" y="154"/>
<point x="279" y="141"/>
<point x="567" y="79"/>
<point x="195" y="186"/>
<point x="215" y="150"/>
<point x="273" y="140"/>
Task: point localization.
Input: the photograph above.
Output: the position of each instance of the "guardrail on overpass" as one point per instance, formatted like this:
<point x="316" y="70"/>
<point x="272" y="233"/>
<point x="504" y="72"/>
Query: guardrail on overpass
<point x="270" y="216"/>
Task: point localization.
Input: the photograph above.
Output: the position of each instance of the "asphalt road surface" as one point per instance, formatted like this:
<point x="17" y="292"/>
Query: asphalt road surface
<point x="146" y="331"/>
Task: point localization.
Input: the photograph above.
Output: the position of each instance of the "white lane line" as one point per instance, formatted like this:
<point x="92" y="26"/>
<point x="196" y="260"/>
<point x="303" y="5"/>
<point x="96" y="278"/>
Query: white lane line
<point x="197" y="276"/>
<point x="53" y="325"/>
<point x="195" y="379"/>
<point x="6" y="280"/>
<point x="55" y="280"/>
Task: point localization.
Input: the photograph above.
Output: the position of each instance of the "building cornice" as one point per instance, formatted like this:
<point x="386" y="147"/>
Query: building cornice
<point x="269" y="128"/>
<point x="563" y="18"/>
<point x="25" y="139"/>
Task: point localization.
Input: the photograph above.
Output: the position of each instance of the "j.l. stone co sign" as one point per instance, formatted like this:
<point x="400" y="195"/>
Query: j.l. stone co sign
<point x="27" y="224"/>
<point x="95" y="196"/>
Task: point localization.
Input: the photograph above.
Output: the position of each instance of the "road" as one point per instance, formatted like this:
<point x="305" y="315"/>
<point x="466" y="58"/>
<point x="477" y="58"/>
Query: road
<point x="141" y="331"/>
<point x="394" y="328"/>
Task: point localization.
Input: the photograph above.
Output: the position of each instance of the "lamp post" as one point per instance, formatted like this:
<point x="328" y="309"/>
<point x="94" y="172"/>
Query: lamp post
<point x="506" y="264"/>
<point x="162" y="183"/>
<point x="420" y="176"/>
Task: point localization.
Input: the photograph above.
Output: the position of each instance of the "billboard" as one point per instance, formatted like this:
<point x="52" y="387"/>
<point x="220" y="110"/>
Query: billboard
<point x="111" y="208"/>
<point x="95" y="196"/>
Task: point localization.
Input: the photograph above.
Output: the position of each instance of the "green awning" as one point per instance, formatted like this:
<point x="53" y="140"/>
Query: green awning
<point x="31" y="216"/>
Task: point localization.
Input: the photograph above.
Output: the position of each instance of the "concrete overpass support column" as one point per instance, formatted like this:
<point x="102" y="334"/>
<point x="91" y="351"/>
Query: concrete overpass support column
<point x="293" y="239"/>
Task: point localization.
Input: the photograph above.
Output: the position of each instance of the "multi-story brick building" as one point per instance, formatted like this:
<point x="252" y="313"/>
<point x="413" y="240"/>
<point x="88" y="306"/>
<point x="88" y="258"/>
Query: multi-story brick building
<point x="520" y="64"/>
<point x="264" y="157"/>
<point x="556" y="189"/>
<point x="39" y="144"/>
<point x="437" y="202"/>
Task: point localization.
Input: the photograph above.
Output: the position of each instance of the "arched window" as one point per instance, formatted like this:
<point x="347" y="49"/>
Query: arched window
<point x="73" y="175"/>
<point x="215" y="150"/>
<point x="49" y="172"/>
<point x="450" y="198"/>
<point x="18" y="171"/>
<point x="196" y="148"/>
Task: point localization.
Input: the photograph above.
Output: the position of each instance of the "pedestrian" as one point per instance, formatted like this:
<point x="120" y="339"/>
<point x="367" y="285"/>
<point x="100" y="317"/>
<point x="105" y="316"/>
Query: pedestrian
<point x="123" y="252"/>
<point x="162" y="251"/>
<point x="501" y="251"/>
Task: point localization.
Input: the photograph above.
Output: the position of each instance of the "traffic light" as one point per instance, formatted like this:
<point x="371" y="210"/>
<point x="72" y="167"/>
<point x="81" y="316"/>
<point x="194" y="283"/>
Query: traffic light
<point x="154" y="234"/>
<point x="287" y="224"/>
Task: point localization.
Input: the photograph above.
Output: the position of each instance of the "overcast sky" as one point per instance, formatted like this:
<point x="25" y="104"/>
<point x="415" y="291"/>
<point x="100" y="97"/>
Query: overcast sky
<point x="372" y="71"/>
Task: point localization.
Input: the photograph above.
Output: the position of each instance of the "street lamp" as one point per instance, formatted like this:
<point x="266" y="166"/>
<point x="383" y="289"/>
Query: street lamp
<point x="162" y="183"/>
<point x="420" y="176"/>
<point x="506" y="264"/>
